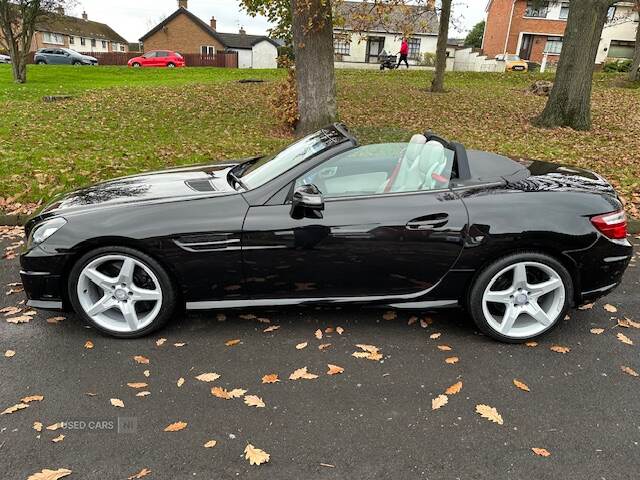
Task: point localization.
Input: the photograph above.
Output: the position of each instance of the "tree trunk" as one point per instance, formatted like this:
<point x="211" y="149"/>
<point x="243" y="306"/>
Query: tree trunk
<point x="634" y="74"/>
<point x="569" y="104"/>
<point x="312" y="27"/>
<point x="437" y="84"/>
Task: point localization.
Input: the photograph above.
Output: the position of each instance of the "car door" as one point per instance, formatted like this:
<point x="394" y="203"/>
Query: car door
<point x="368" y="241"/>
<point x="161" y="59"/>
<point x="59" y="57"/>
<point x="148" y="59"/>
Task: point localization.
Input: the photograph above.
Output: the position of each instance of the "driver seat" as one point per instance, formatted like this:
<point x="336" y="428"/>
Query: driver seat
<point x="418" y="174"/>
<point x="410" y="158"/>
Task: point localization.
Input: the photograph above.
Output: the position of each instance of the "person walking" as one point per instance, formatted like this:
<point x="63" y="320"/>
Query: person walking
<point x="404" y="53"/>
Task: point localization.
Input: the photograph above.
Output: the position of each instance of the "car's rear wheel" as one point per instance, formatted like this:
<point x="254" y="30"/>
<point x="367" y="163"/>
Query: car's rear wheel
<point x="136" y="65"/>
<point x="121" y="292"/>
<point x="520" y="297"/>
<point x="171" y="65"/>
<point x="41" y="62"/>
<point x="76" y="63"/>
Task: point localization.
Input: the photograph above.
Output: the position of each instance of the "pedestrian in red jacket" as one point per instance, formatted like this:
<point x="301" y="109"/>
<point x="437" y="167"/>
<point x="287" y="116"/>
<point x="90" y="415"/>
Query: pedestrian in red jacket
<point x="404" y="53"/>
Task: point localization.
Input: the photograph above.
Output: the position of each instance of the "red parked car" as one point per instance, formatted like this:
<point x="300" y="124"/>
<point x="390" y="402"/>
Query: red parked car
<point x="158" y="58"/>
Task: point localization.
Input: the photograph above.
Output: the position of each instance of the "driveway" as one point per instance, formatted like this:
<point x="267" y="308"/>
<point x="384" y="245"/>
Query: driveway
<point x="375" y="420"/>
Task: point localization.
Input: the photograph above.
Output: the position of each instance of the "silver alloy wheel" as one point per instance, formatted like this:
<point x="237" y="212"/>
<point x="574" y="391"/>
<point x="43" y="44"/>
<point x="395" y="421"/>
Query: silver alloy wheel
<point x="116" y="303"/>
<point x="524" y="309"/>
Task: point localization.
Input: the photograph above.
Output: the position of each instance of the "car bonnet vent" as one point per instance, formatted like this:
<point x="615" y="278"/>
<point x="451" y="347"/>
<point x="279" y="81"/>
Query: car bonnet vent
<point x="201" y="185"/>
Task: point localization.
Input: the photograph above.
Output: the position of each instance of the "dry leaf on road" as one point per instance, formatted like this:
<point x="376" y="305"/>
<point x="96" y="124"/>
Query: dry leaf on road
<point x="628" y="323"/>
<point x="180" y="382"/>
<point x="37" y="426"/>
<point x="255" y="455"/>
<point x="55" y="426"/>
<point x="624" y="339"/>
<point x="521" y="385"/>
<point x="490" y="413"/>
<point x="272" y="328"/>
<point x="161" y="341"/>
<point x="318" y="334"/>
<point x="15" y="408"/>
<point x="116" y="402"/>
<point x="302" y="345"/>
<point x="143" y="394"/>
<point x="210" y="444"/>
<point x="142" y="473"/>
<point x="58" y="439"/>
<point x="444" y="348"/>
<point x="390" y="315"/>
<point x="453" y="389"/>
<point x="88" y="344"/>
<point x="254" y="401"/>
<point x="137" y="385"/>
<point x="610" y="308"/>
<point x="531" y="344"/>
<point x="175" y="427"/>
<point x="20" y="319"/>
<point x="435" y="336"/>
<point x="302" y="373"/>
<point x="208" y="377"/>
<point x="439" y="401"/>
<point x="559" y="349"/>
<point x="543" y="452"/>
<point x="32" y="398"/>
<point x="9" y="353"/>
<point x="451" y="360"/>
<point x="323" y="346"/>
<point x="271" y="378"/>
<point x="232" y="343"/>
<point x="340" y="330"/>
<point x="227" y="394"/>
<point x="54" y="320"/>
<point x="334" y="369"/>
<point x="629" y="371"/>
<point x="587" y="306"/>
<point x="47" y="474"/>
<point x="142" y="360"/>
<point x="597" y="331"/>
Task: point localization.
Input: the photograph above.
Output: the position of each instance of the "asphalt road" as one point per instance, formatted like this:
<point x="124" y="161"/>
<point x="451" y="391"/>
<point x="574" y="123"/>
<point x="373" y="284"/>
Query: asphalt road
<point x="373" y="421"/>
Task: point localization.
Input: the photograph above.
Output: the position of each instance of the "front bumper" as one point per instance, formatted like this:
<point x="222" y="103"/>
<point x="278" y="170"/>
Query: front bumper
<point x="43" y="278"/>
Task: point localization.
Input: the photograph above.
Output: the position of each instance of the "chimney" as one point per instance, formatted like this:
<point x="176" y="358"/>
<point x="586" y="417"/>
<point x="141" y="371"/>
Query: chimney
<point x="242" y="31"/>
<point x="213" y="23"/>
<point x="85" y="16"/>
<point x="183" y="4"/>
<point x="60" y="10"/>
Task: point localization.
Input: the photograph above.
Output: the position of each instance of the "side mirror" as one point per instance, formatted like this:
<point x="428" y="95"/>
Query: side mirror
<point x="307" y="202"/>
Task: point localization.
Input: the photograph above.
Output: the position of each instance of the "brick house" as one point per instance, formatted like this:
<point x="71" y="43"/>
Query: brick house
<point x="530" y="30"/>
<point x="184" y="32"/>
<point x="80" y="34"/>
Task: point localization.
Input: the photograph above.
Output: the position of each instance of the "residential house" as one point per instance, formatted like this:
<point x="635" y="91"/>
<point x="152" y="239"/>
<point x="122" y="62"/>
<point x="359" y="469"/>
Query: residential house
<point x="531" y="29"/>
<point x="362" y="32"/>
<point x="184" y="32"/>
<point x="80" y="34"/>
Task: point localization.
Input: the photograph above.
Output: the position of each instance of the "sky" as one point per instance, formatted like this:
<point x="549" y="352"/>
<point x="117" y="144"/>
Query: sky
<point x="133" y="18"/>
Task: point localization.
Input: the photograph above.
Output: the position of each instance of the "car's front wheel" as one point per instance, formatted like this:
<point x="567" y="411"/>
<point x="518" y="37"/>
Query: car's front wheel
<point x="136" y="65"/>
<point x="520" y="297"/>
<point x="41" y="62"/>
<point x="171" y="65"/>
<point x="121" y="292"/>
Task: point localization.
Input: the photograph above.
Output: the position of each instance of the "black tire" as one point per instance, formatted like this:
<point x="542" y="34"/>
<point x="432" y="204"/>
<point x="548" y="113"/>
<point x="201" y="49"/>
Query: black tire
<point x="76" y="63"/>
<point x="171" y="65"/>
<point x="169" y="293"/>
<point x="41" y="62"/>
<point x="136" y="65"/>
<point x="484" y="277"/>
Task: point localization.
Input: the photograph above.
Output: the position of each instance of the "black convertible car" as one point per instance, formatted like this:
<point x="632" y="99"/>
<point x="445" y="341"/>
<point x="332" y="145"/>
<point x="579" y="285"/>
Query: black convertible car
<point x="417" y="225"/>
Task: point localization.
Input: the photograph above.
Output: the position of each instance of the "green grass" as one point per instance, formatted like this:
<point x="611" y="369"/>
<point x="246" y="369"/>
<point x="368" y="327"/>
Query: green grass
<point x="123" y="121"/>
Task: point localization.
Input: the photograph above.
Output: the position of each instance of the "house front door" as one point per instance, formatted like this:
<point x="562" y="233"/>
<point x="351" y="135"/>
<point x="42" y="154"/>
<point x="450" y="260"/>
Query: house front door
<point x="525" y="47"/>
<point x="375" y="45"/>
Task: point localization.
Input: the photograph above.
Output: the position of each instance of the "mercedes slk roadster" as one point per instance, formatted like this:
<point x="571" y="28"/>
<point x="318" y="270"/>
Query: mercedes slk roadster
<point x="420" y="225"/>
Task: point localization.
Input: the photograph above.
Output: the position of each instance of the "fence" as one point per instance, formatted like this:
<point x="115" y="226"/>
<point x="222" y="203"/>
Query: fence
<point x="224" y="60"/>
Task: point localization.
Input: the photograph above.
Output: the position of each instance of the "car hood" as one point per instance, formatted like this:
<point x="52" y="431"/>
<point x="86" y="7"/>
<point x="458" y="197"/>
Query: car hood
<point x="88" y="57"/>
<point x="155" y="187"/>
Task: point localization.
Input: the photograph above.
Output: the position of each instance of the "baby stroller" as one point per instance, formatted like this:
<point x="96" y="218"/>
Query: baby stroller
<point x="388" y="61"/>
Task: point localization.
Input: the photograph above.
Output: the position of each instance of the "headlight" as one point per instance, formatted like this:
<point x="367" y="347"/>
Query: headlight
<point x="44" y="230"/>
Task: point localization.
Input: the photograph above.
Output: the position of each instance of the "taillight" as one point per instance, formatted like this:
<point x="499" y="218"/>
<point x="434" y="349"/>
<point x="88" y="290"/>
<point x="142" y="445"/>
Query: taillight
<point x="612" y="225"/>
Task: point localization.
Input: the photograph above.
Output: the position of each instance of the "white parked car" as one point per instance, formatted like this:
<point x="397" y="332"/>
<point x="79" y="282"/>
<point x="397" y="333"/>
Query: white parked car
<point x="5" y="59"/>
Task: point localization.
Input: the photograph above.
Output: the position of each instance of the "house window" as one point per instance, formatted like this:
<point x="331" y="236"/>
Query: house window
<point x="414" y="48"/>
<point x="93" y="42"/>
<point x="536" y="9"/>
<point x="53" y="38"/>
<point x="104" y="44"/>
<point x="554" y="45"/>
<point x="208" y="50"/>
<point x="341" y="45"/>
<point x="564" y="10"/>
<point x="122" y="48"/>
<point x="83" y="41"/>
<point x="621" y="49"/>
<point x="611" y="14"/>
<point x="72" y="40"/>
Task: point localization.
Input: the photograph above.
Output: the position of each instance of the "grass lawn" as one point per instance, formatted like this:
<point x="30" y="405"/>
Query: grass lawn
<point x="123" y="121"/>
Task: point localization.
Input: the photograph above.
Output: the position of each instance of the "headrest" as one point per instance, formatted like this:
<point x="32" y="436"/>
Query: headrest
<point x="418" y="138"/>
<point x="432" y="154"/>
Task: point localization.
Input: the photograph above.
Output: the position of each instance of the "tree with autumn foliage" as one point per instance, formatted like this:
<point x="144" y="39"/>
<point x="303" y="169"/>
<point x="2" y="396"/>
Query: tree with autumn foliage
<point x="18" y="19"/>
<point x="437" y="84"/>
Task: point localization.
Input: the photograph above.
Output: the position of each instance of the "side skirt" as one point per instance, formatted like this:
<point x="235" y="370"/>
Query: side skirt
<point x="271" y="302"/>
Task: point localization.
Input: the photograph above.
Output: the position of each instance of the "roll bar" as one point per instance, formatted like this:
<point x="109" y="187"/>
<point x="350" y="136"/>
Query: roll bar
<point x="460" y="159"/>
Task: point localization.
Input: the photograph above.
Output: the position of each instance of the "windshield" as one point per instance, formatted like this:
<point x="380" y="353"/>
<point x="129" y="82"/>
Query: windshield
<point x="268" y="168"/>
<point x="513" y="58"/>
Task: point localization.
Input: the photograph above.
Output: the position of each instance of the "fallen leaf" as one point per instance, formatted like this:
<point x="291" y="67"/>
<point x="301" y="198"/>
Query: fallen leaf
<point x="329" y="330"/>
<point x="221" y="317"/>
<point x="521" y="385"/>
<point x="302" y="345"/>
<point x="58" y="439"/>
<point x="47" y="474"/>
<point x="543" y="452"/>
<point x="142" y="473"/>
<point x="32" y="398"/>
<point x="453" y="389"/>
<point x="629" y="371"/>
<point x="255" y="455"/>
<point x="272" y="328"/>
<point x="146" y="373"/>
<point x="439" y="401"/>
<point x="324" y="346"/>
<point x="435" y="336"/>
<point x="531" y="344"/>
<point x="55" y="426"/>
<point x="88" y="344"/>
<point x="54" y="320"/>
<point x="302" y="373"/>
<point x="227" y="394"/>
<point x="208" y="377"/>
<point x="253" y="401"/>
<point x="318" y="334"/>
<point x="143" y="394"/>
<point x="597" y="331"/>
<point x="175" y="427"/>
<point x="20" y="319"/>
<point x="586" y="306"/>
<point x="340" y="330"/>
<point x="231" y="343"/>
<point x="451" y="360"/>
<point x="14" y="408"/>
<point x="137" y="385"/>
<point x="160" y="342"/>
<point x="271" y="378"/>
<point x="444" y="348"/>
<point x="141" y="359"/>
<point x="390" y="315"/>
<point x="179" y="344"/>
<point x="210" y="444"/>
<point x="610" y="308"/>
<point x="490" y="413"/>
<point x="628" y="323"/>
<point x="37" y="426"/>
<point x="559" y="349"/>
<point x="334" y="369"/>
<point x="180" y="382"/>
<point x="624" y="339"/>
<point x="116" y="402"/>
<point x="9" y="353"/>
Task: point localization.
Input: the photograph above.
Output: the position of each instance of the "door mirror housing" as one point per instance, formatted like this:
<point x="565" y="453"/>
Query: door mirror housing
<point x="307" y="202"/>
